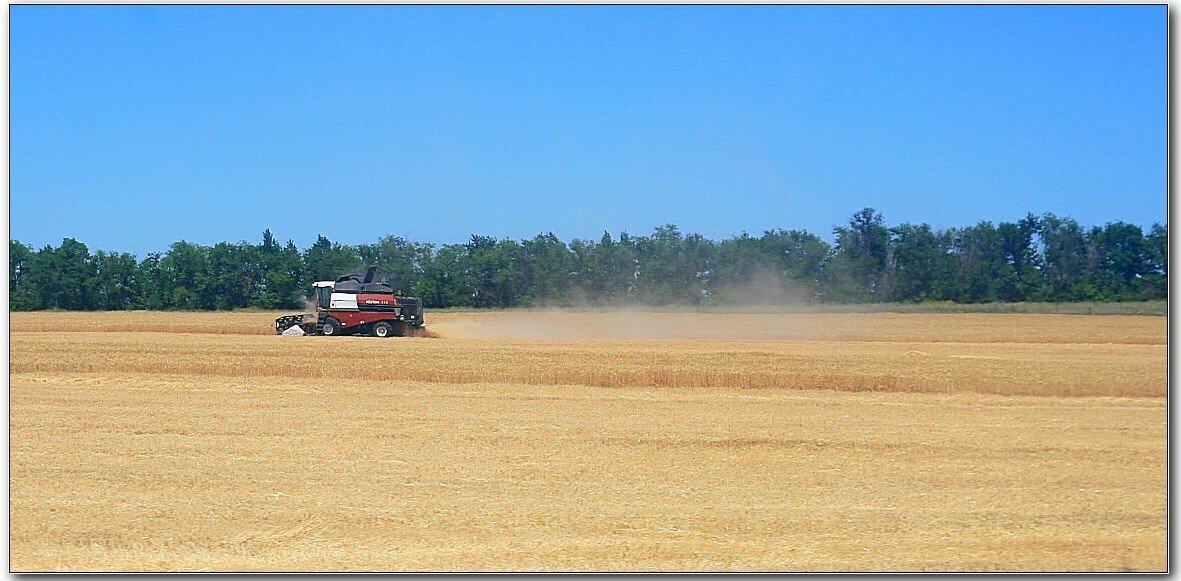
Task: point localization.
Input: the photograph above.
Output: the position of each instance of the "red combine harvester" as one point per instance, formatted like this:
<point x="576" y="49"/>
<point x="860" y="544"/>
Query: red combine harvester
<point x="354" y="306"/>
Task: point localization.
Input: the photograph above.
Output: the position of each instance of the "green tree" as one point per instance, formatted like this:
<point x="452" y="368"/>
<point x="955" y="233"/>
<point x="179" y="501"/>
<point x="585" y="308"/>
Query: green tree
<point x="743" y="273"/>
<point x="328" y="260"/>
<point x="924" y="266"/>
<point x="799" y="255"/>
<point x="1063" y="257"/>
<point x="153" y="288"/>
<point x="399" y="262"/>
<point x="23" y="296"/>
<point x="605" y="272"/>
<point x="1035" y="258"/>
<point x="184" y="276"/>
<point x="283" y="280"/>
<point x="446" y="279"/>
<point x="1155" y="283"/>
<point x="1019" y="252"/>
<point x="672" y="267"/>
<point x="115" y="283"/>
<point x="547" y="270"/>
<point x="781" y="266"/>
<point x="61" y="277"/>
<point x="235" y="276"/>
<point x="981" y="270"/>
<point x="495" y="268"/>
<point x="1118" y="258"/>
<point x="857" y="271"/>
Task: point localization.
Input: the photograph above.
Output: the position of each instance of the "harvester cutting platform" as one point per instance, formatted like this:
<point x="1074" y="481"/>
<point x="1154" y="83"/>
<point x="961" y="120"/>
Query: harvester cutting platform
<point x="350" y="305"/>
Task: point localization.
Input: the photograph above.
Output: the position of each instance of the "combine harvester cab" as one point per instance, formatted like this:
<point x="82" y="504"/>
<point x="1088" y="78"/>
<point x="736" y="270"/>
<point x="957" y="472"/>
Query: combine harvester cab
<point x="350" y="305"/>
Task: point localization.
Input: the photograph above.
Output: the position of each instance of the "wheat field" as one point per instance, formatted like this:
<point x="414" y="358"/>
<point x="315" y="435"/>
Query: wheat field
<point x="582" y="441"/>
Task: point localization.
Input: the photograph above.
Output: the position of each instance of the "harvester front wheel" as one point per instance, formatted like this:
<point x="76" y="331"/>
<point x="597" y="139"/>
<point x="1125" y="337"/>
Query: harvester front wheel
<point x="331" y="327"/>
<point x="382" y="329"/>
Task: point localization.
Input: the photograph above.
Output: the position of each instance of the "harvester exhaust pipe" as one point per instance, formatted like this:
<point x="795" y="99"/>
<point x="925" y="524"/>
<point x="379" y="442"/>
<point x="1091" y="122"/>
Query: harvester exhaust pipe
<point x="369" y="274"/>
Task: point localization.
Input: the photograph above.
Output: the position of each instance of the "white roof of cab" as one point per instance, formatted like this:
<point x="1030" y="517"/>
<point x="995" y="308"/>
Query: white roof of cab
<point x="327" y="283"/>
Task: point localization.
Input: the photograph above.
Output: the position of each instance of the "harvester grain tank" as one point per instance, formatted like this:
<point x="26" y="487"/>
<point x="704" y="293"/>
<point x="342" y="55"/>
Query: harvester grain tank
<point x="351" y="305"/>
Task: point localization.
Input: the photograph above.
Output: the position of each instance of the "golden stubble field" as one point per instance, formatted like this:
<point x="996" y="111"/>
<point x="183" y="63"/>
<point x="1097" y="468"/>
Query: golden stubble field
<point x="628" y="441"/>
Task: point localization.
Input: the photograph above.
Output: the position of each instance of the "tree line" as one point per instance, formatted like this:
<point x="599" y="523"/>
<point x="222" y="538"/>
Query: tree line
<point x="1038" y="258"/>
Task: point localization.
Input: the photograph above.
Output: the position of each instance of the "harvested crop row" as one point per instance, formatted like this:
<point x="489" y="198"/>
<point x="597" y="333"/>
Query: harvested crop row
<point x="1010" y="369"/>
<point x="638" y="325"/>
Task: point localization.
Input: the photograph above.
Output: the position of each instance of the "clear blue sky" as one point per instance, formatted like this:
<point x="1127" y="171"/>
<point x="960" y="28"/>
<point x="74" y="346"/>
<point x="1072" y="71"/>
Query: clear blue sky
<point x="136" y="126"/>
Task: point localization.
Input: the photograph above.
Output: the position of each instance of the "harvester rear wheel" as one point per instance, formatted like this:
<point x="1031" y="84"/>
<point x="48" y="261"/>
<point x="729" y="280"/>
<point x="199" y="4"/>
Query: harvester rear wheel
<point x="331" y="327"/>
<point x="383" y="329"/>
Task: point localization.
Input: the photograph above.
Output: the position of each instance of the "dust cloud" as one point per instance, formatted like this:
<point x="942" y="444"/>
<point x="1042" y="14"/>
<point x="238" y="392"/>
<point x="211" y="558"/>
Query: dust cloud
<point x="621" y="324"/>
<point x="761" y="306"/>
<point x="762" y="288"/>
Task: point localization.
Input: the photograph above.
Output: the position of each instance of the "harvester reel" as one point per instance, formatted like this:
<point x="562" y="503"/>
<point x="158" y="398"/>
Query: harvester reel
<point x="286" y="322"/>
